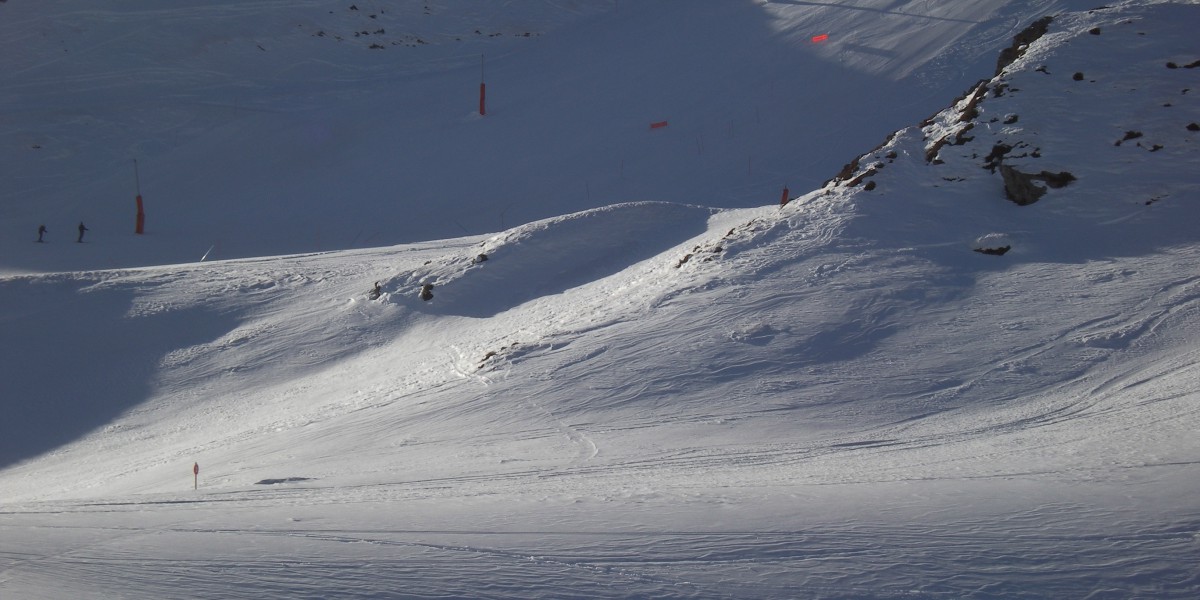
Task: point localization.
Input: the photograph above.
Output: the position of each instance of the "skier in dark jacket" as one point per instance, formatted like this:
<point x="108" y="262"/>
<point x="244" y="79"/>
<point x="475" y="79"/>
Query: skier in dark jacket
<point x="41" y="232"/>
<point x="81" y="230"/>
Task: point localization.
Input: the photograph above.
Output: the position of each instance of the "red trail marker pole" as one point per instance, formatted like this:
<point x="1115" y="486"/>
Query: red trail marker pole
<point x="140" y="227"/>
<point x="784" y="200"/>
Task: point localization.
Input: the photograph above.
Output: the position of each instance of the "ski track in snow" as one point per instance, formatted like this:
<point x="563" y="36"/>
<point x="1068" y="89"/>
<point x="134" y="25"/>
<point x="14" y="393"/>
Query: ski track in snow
<point x="855" y="558"/>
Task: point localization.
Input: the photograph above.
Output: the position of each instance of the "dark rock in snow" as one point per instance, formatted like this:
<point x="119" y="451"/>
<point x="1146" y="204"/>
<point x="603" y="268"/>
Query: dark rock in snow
<point x="1020" y="187"/>
<point x="1001" y="251"/>
<point x="1129" y="135"/>
<point x="1055" y="180"/>
<point x="282" y="480"/>
<point x="996" y="156"/>
<point x="1021" y="42"/>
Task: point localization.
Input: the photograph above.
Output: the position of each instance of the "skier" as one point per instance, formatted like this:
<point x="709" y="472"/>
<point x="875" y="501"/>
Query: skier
<point x="41" y="232"/>
<point x="376" y="292"/>
<point x="81" y="230"/>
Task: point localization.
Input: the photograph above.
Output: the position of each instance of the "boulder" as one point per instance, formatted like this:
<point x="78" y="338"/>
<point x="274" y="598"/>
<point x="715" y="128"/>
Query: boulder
<point x="1020" y="187"/>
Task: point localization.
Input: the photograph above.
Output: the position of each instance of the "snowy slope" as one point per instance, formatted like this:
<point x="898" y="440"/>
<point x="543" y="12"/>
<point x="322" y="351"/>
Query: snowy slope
<point x="837" y="398"/>
<point x="261" y="130"/>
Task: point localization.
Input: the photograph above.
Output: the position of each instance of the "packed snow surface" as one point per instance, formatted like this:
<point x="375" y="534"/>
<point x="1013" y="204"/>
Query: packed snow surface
<point x="634" y="373"/>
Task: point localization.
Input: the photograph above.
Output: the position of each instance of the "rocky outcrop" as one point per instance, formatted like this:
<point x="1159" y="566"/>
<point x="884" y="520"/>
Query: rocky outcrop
<point x="1020" y="187"/>
<point x="1021" y="42"/>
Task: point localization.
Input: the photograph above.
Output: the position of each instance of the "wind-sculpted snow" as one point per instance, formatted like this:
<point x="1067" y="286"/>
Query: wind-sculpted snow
<point x="549" y="257"/>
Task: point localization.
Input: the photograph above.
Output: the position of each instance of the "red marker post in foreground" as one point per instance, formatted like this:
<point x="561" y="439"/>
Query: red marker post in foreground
<point x="195" y="476"/>
<point x="140" y="225"/>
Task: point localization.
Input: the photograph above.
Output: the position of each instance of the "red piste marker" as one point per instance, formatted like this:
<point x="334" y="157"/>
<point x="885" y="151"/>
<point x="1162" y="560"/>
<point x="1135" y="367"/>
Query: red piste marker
<point x="658" y="125"/>
<point x="817" y="39"/>
<point x="195" y="476"/>
<point x="140" y="225"/>
<point x="482" y="88"/>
